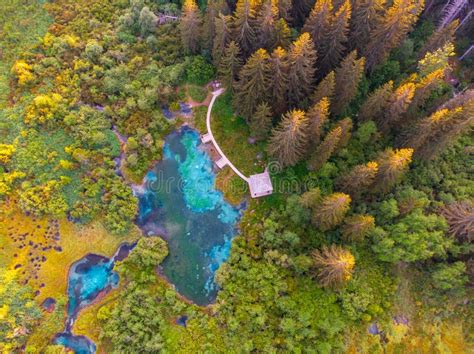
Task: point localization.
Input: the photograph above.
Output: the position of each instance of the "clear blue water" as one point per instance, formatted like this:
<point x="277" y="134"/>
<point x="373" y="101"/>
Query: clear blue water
<point x="88" y="278"/>
<point x="178" y="201"/>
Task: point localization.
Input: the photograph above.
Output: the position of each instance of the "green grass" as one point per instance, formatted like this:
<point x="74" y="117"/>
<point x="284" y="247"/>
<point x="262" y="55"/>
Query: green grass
<point x="197" y="93"/>
<point x="22" y="22"/>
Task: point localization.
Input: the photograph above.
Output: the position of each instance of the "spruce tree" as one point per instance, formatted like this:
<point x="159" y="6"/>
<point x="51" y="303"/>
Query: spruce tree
<point x="348" y="76"/>
<point x="331" y="211"/>
<point x="253" y="85"/>
<point x="301" y="61"/>
<point x="334" y="266"/>
<point x="335" y="38"/>
<point x="230" y="65"/>
<point x="282" y="34"/>
<point x="366" y="16"/>
<point x="289" y="139"/>
<point x="376" y="103"/>
<point x="222" y="37"/>
<point x="244" y="25"/>
<point x="279" y="80"/>
<point x="392" y="166"/>
<point x="318" y="116"/>
<point x="399" y="103"/>
<point x="346" y="128"/>
<point x="439" y="38"/>
<point x="261" y="121"/>
<point x="325" y="88"/>
<point x="395" y="25"/>
<point x="266" y="22"/>
<point x="213" y="9"/>
<point x="357" y="227"/>
<point x="318" y="23"/>
<point x="284" y="9"/>
<point x="190" y="26"/>
<point x="300" y="10"/>
<point x="358" y="180"/>
<point x="311" y="199"/>
<point x="324" y="151"/>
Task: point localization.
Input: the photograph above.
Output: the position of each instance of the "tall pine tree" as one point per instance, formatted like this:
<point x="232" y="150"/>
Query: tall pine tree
<point x="376" y="103"/>
<point x="318" y="116"/>
<point x="261" y="121"/>
<point x="325" y="88"/>
<point x="392" y="166"/>
<point x="366" y="16"/>
<point x="324" y="151"/>
<point x="230" y="65"/>
<point x="245" y="25"/>
<point x="222" y="37"/>
<point x="279" y="81"/>
<point x="396" y="23"/>
<point x="358" y="180"/>
<point x="318" y="23"/>
<point x="301" y="61"/>
<point x="289" y="139"/>
<point x="253" y="85"/>
<point x="190" y="26"/>
<point x="331" y="211"/>
<point x="335" y="38"/>
<point x="348" y="76"/>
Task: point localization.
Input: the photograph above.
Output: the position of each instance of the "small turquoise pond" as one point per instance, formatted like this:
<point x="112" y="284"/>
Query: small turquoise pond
<point x="178" y="201"/>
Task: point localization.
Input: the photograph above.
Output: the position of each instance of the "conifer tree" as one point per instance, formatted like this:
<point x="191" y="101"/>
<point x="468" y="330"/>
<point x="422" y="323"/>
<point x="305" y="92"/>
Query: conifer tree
<point x="300" y="10"/>
<point x="222" y="37"/>
<point x="335" y="38"/>
<point x="439" y="38"/>
<point x="318" y="23"/>
<point x="213" y="9"/>
<point x="399" y="103"/>
<point x="266" y="22"/>
<point x="324" y="151"/>
<point x="423" y="90"/>
<point x="289" y="139"/>
<point x="348" y="76"/>
<point x="325" y="88"/>
<point x="460" y="218"/>
<point x="311" y="199"/>
<point x="376" y="103"/>
<point x="261" y="121"/>
<point x="366" y="16"/>
<point x="331" y="211"/>
<point x="279" y="80"/>
<point x="301" y="60"/>
<point x="346" y="128"/>
<point x="357" y="227"/>
<point x="244" y="25"/>
<point x="230" y="65"/>
<point x="358" y="180"/>
<point x="432" y="134"/>
<point x="253" y="85"/>
<point x="318" y="116"/>
<point x="395" y="25"/>
<point x="284" y="9"/>
<point x="392" y="165"/>
<point x="190" y="26"/>
<point x="334" y="266"/>
<point x="282" y="34"/>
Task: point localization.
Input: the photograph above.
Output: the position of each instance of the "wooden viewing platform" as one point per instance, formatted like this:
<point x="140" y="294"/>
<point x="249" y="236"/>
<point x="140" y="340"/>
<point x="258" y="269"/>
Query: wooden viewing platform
<point x="260" y="184"/>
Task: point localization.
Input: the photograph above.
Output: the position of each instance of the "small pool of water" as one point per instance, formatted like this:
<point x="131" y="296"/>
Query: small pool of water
<point x="89" y="278"/>
<point x="178" y="201"/>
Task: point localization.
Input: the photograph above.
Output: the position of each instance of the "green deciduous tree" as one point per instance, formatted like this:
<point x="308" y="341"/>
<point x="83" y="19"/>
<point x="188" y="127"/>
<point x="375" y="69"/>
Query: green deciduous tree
<point x="414" y="237"/>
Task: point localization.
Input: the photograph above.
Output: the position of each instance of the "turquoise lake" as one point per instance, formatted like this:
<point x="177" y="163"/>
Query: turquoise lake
<point x="178" y="201"/>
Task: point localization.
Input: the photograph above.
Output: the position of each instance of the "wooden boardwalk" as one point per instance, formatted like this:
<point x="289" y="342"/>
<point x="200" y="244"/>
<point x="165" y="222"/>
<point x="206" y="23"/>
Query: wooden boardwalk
<point x="260" y="184"/>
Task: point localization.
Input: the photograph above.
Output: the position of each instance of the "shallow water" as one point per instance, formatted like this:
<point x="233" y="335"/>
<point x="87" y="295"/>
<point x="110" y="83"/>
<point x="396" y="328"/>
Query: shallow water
<point x="90" y="277"/>
<point x="178" y="201"/>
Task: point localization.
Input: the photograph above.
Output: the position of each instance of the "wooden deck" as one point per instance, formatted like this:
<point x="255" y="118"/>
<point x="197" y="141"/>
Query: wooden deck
<point x="260" y="184"/>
